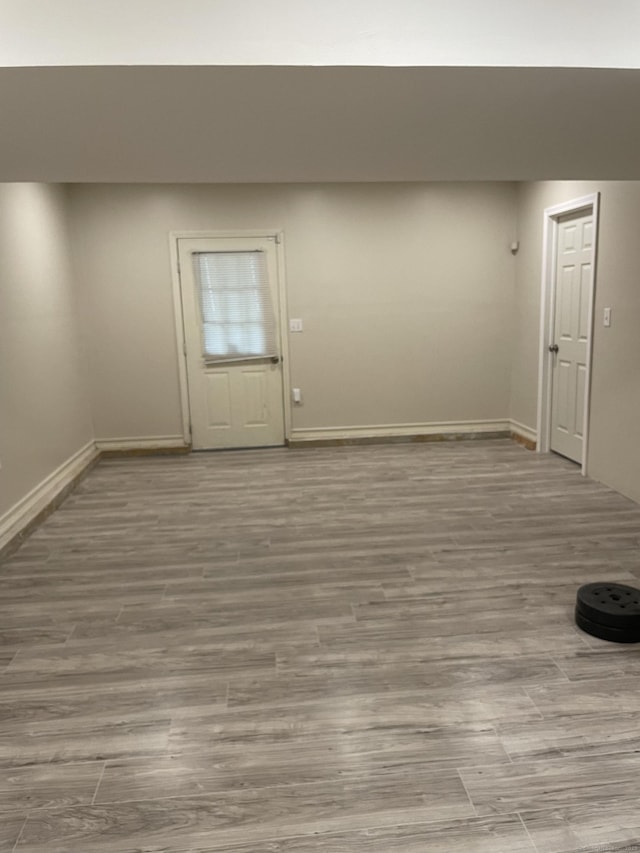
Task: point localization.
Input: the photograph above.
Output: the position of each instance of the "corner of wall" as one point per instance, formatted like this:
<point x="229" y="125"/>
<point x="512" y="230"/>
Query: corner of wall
<point x="46" y="431"/>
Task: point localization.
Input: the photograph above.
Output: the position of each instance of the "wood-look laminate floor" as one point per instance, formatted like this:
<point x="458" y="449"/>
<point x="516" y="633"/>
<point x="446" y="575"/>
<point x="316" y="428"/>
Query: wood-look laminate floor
<point x="347" y="650"/>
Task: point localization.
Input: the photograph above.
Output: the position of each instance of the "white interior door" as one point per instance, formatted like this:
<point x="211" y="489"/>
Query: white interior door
<point x="230" y="301"/>
<point x="573" y="287"/>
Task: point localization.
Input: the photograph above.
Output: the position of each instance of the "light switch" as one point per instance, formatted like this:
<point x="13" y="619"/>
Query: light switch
<point x="606" y="319"/>
<point x="297" y="395"/>
<point x="295" y="325"/>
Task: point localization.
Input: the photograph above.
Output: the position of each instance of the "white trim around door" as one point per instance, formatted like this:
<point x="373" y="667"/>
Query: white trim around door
<point x="551" y="217"/>
<point x="181" y="351"/>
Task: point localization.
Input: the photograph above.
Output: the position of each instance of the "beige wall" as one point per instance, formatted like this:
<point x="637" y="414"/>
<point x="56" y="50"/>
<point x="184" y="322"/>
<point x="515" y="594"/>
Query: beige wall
<point x="44" y="411"/>
<point x="614" y="449"/>
<point x="406" y="293"/>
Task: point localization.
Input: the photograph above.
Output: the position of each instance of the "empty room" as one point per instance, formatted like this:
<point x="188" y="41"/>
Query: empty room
<point x="319" y="405"/>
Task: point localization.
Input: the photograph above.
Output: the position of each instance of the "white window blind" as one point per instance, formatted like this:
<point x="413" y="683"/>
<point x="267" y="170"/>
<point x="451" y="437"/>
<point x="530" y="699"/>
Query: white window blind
<point x="238" y="320"/>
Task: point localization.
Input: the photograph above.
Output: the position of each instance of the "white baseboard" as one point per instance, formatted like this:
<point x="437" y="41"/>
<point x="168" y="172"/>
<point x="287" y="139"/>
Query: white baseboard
<point x="158" y="442"/>
<point x="13" y="522"/>
<point x="439" y="428"/>
<point x="523" y="430"/>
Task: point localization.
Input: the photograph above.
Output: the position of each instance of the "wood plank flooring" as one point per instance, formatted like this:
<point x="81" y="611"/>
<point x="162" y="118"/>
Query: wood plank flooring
<point x="347" y="650"/>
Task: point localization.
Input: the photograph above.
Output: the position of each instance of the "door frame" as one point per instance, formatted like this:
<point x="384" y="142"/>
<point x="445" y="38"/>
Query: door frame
<point x="181" y="352"/>
<point x="550" y="223"/>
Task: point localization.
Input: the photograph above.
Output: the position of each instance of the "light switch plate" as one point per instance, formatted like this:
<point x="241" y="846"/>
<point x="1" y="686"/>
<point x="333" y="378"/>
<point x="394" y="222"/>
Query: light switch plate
<point x="606" y="317"/>
<point x="295" y="325"/>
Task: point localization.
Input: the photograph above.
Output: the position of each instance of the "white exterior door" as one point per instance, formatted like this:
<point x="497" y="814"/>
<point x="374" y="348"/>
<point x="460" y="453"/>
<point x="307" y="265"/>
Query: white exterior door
<point x="230" y="301"/>
<point x="573" y="286"/>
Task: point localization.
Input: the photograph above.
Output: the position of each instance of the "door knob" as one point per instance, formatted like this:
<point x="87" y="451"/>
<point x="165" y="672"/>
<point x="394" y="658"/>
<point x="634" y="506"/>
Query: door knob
<point x="553" y="347"/>
<point x="275" y="359"/>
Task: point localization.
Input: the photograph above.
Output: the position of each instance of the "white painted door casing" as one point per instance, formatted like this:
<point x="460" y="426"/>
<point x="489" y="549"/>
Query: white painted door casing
<point x="232" y="404"/>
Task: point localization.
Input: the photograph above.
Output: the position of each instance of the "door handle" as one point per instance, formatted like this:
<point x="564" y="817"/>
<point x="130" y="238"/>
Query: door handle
<point x="275" y="359"/>
<point x="553" y="348"/>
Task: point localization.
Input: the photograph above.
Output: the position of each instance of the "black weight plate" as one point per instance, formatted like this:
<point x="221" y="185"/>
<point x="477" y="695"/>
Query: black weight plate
<point x="606" y="632"/>
<point x="612" y="604"/>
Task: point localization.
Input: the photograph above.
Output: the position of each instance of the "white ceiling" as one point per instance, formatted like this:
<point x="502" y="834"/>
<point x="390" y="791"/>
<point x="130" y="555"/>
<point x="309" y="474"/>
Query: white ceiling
<point x="245" y="124"/>
<point x="534" y="33"/>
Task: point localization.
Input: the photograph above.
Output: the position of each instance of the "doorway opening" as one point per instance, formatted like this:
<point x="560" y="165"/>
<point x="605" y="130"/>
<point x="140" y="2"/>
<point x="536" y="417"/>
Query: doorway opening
<point x="229" y="299"/>
<point x="566" y="327"/>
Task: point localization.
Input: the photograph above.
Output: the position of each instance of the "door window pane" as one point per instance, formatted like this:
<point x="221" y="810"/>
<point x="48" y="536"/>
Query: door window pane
<point x="238" y="320"/>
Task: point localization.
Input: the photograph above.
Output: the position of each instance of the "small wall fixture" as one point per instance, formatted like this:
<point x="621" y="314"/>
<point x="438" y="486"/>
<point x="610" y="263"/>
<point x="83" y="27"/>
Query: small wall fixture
<point x="513" y="248"/>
